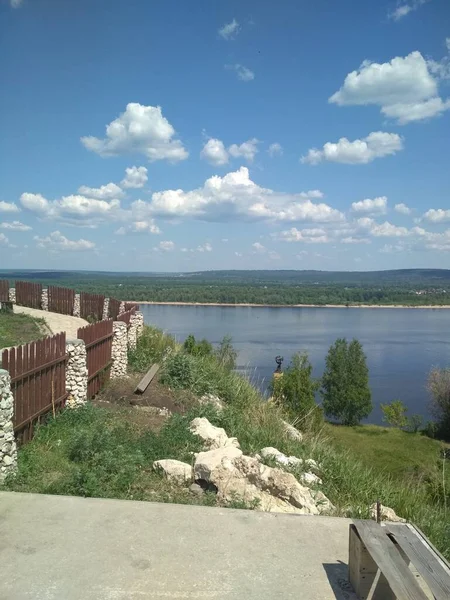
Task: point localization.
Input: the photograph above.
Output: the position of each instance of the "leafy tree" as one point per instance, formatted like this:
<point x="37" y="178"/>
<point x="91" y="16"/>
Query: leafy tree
<point x="226" y="354"/>
<point x="395" y="413"/>
<point x="202" y="348"/>
<point x="345" y="383"/>
<point x="439" y="387"/>
<point x="295" y="391"/>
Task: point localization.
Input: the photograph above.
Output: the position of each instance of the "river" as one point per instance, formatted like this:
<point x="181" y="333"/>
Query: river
<point x="401" y="345"/>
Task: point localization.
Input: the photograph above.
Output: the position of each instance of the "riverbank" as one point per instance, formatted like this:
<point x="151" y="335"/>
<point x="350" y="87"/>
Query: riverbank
<point x="251" y="305"/>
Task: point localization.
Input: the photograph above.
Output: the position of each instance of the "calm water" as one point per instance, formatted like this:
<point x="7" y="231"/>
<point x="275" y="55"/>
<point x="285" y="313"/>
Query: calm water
<point x="401" y="345"/>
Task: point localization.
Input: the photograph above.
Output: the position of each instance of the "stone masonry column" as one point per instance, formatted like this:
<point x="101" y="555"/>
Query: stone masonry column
<point x="132" y="332"/>
<point x="76" y="373"/>
<point x="77" y="306"/>
<point x="122" y="307"/>
<point x="105" y="309"/>
<point x="8" y="450"/>
<point x="139" y="323"/>
<point x="12" y="295"/>
<point x="119" y="350"/>
<point x="44" y="299"/>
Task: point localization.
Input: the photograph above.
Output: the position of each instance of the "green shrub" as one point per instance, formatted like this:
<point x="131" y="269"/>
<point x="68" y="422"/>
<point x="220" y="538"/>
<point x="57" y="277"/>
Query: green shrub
<point x="226" y="354"/>
<point x="439" y="389"/>
<point x="201" y="348"/>
<point x="395" y="413"/>
<point x="153" y="346"/>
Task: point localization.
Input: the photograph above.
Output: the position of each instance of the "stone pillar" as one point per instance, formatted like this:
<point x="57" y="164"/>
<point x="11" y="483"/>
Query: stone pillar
<point x="122" y="308"/>
<point x="132" y="332"/>
<point x="8" y="450"/>
<point x="119" y="350"/>
<point x="44" y="299"/>
<point x="105" y="314"/>
<point x="76" y="373"/>
<point x="12" y="295"/>
<point x="140" y="323"/>
<point x="76" y="306"/>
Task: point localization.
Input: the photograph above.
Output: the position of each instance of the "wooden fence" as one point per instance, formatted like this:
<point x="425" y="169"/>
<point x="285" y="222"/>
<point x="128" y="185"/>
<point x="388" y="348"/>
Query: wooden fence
<point x="126" y="316"/>
<point x="91" y="306"/>
<point x="29" y="294"/>
<point x="131" y="305"/>
<point x="38" y="381"/>
<point x="4" y="290"/>
<point x="98" y="340"/>
<point x="61" y="300"/>
<point x="114" y="308"/>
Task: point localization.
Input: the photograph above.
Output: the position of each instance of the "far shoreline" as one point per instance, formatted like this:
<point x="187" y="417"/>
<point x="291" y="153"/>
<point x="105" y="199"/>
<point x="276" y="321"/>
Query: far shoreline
<point x="251" y="305"/>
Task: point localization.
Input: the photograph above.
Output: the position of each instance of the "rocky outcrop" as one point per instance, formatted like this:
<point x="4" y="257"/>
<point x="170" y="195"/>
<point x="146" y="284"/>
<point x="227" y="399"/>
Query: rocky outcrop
<point x="386" y="513"/>
<point x="213" y="437"/>
<point x="174" y="470"/>
<point x="292" y="432"/>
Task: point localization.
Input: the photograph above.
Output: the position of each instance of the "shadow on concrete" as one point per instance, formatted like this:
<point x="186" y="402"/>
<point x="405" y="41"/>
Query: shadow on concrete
<point x="337" y="574"/>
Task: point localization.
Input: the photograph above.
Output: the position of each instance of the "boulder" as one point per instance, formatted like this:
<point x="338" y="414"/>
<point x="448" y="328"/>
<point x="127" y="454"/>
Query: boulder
<point x="292" y="432"/>
<point x="174" y="470"/>
<point x="387" y="514"/>
<point x="310" y="479"/>
<point x="208" y="463"/>
<point x="282" y="459"/>
<point x="213" y="437"/>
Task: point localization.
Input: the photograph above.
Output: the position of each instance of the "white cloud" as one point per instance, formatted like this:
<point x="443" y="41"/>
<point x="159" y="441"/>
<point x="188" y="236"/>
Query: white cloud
<point x="104" y="192"/>
<point x="376" y="145"/>
<point x="243" y="73"/>
<point x="402" y="209"/>
<point x="135" y="177"/>
<point x="8" y="207"/>
<point x="56" y="242"/>
<point x="214" y="152"/>
<point x="16" y="3"/>
<point x="236" y="196"/>
<point x="274" y="255"/>
<point x="15" y="226"/>
<point x="275" y="149"/>
<point x="238" y="254"/>
<point x="387" y="229"/>
<point x="404" y="88"/>
<point x="4" y="241"/>
<point x="140" y="227"/>
<point x="206" y="247"/>
<point x="35" y="202"/>
<point x="259" y="248"/>
<point x="437" y="215"/>
<point x="309" y="236"/>
<point x="247" y="150"/>
<point x="405" y="8"/>
<point x="139" y="130"/>
<point x="229" y="30"/>
<point x="167" y="246"/>
<point x="354" y="240"/>
<point x="371" y="207"/>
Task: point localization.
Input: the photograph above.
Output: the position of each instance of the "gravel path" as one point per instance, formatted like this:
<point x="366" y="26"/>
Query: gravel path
<point x="55" y="322"/>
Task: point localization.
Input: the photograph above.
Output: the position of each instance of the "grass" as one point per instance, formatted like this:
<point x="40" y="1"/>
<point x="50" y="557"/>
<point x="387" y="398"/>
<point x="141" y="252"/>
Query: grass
<point x="94" y="452"/>
<point x="16" y="329"/>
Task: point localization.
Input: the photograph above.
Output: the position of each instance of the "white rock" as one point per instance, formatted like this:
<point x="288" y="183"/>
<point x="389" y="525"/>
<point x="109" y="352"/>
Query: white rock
<point x="292" y="432"/>
<point x="310" y="479"/>
<point x="214" y="401"/>
<point x="174" y="470"/>
<point x="282" y="459"/>
<point x="387" y="514"/>
<point x="213" y="437"/>
<point x="206" y="463"/>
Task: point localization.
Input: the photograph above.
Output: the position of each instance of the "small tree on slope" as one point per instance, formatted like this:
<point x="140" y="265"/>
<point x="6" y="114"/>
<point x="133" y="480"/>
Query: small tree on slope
<point x="345" y="383"/>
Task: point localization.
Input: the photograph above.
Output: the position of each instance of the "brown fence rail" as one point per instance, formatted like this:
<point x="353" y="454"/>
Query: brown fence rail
<point x="130" y="306"/>
<point x="126" y="316"/>
<point x="61" y="300"/>
<point x="29" y="294"/>
<point x="91" y="306"/>
<point x="114" y="307"/>
<point x="98" y="340"/>
<point x="38" y="381"/>
<point x="4" y="290"/>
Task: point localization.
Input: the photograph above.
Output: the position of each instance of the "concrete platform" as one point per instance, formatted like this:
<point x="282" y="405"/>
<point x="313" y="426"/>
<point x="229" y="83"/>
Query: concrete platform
<point x="67" y="548"/>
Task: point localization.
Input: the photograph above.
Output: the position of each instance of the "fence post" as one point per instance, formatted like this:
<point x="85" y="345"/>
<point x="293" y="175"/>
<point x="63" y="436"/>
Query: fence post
<point x="12" y="295"/>
<point x="44" y="299"/>
<point x="139" y="316"/>
<point x="122" y="308"/>
<point x="76" y="373"/>
<point x="132" y="332"/>
<point x="105" y="314"/>
<point x="77" y="306"/>
<point x="8" y="450"/>
<point x="119" y="350"/>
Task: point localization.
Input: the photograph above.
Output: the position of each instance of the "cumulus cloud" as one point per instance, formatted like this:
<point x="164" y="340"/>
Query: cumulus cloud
<point x="214" y="152"/>
<point x="8" y="207"/>
<point x="402" y="209"/>
<point x="404" y="8"/>
<point x="206" y="247"/>
<point x="4" y="240"/>
<point x="15" y="226"/>
<point x="387" y="229"/>
<point x="376" y="145"/>
<point x="236" y="196"/>
<point x="247" y="150"/>
<point x="404" y="88"/>
<point x="308" y="236"/>
<point x="242" y="73"/>
<point x="104" y="192"/>
<point x="275" y="149"/>
<point x="57" y="242"/>
<point x="354" y="240"/>
<point x="229" y="30"/>
<point x="140" y="227"/>
<point x="437" y="215"/>
<point x="139" y="130"/>
<point x="371" y="207"/>
<point x="135" y="177"/>
<point x="166" y="246"/>
<point x="259" y="248"/>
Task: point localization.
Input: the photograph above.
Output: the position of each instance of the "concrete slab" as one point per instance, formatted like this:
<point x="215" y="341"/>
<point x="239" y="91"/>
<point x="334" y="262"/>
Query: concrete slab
<point x="67" y="548"/>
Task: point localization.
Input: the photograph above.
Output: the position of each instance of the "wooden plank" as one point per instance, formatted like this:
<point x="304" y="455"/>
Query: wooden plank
<point x="146" y="380"/>
<point x="389" y="561"/>
<point x="423" y="558"/>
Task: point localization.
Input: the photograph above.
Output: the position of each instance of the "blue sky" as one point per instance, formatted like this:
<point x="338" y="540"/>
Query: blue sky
<point x="217" y="134"/>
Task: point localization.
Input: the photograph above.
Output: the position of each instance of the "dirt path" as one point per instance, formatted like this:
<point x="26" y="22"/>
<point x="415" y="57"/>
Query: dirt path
<point x="55" y="322"/>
